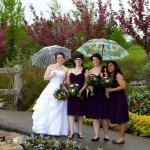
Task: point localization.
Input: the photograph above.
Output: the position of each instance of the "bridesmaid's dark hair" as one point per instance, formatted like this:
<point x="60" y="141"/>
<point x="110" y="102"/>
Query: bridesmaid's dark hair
<point x="103" y="70"/>
<point x="117" y="69"/>
<point x="77" y="55"/>
<point x="97" y="55"/>
<point x="59" y="53"/>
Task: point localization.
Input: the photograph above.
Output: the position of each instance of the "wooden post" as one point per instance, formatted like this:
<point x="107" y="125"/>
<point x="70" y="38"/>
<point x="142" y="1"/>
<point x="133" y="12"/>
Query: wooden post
<point x="17" y="85"/>
<point x="17" y="91"/>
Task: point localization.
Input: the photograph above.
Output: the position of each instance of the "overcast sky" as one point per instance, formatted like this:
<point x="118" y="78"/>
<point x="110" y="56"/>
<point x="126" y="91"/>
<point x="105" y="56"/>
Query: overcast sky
<point x="66" y="5"/>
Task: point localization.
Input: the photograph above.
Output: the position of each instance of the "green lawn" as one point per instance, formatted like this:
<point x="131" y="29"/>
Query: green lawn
<point x="137" y="53"/>
<point x="132" y="64"/>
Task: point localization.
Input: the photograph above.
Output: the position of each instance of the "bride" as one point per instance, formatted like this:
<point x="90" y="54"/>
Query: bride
<point x="50" y="115"/>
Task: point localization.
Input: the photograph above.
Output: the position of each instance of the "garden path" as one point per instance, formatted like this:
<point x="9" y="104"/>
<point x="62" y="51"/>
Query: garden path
<point x="21" y="122"/>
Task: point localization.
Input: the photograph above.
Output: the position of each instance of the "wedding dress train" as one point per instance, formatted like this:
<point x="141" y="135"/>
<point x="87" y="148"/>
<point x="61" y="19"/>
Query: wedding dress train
<point x="50" y="115"/>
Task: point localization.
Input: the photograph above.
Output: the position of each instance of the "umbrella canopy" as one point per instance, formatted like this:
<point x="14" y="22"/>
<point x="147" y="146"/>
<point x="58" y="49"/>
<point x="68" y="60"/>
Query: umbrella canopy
<point x="107" y="48"/>
<point x="46" y="55"/>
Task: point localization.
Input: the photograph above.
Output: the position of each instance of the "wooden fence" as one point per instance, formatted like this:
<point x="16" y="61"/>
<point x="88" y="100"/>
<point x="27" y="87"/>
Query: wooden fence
<point x="17" y="90"/>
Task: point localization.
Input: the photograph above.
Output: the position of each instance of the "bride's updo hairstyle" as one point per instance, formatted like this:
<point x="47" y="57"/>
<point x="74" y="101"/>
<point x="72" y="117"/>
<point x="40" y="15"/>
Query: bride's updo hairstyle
<point x="59" y="53"/>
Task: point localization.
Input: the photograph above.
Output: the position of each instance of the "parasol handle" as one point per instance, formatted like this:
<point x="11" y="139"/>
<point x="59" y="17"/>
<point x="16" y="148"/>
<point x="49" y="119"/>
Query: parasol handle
<point x="102" y="51"/>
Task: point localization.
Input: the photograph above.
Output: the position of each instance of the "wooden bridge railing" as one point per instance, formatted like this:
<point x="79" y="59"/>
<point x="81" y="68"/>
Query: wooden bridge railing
<point x="17" y="90"/>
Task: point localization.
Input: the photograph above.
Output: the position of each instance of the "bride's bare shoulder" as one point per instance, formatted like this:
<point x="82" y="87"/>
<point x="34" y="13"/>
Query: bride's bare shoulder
<point x="65" y="68"/>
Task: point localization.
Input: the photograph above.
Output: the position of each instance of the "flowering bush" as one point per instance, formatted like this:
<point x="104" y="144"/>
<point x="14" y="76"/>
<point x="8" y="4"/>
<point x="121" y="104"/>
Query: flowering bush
<point x="73" y="89"/>
<point x="106" y="82"/>
<point x="139" y="102"/>
<point x="61" y="93"/>
<point x="137" y="125"/>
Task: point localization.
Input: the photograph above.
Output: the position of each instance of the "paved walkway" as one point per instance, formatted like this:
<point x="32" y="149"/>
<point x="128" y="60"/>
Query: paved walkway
<point x="21" y="122"/>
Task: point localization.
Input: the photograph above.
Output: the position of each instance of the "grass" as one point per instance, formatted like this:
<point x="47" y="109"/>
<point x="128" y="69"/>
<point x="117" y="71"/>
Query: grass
<point x="132" y="64"/>
<point x="137" y="53"/>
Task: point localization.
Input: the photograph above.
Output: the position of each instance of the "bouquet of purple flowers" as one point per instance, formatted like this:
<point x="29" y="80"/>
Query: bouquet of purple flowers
<point x="73" y="89"/>
<point x="61" y="93"/>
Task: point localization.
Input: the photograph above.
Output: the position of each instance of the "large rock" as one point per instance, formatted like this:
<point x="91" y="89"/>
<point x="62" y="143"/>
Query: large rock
<point x="12" y="146"/>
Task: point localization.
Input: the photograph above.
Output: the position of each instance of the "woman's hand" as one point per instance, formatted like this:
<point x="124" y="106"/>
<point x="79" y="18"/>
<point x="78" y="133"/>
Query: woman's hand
<point x="53" y="74"/>
<point x="108" y="90"/>
<point x="79" y="93"/>
<point x="90" y="88"/>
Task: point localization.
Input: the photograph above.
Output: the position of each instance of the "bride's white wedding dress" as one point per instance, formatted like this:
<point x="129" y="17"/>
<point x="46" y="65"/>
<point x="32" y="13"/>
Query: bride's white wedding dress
<point x="50" y="115"/>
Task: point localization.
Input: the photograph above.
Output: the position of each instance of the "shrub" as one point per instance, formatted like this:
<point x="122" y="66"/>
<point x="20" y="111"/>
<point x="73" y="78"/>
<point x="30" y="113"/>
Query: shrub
<point x="43" y="142"/>
<point x="137" y="125"/>
<point x="33" y="85"/>
<point x="129" y="88"/>
<point x="131" y="72"/>
<point x="139" y="102"/>
<point x="145" y="73"/>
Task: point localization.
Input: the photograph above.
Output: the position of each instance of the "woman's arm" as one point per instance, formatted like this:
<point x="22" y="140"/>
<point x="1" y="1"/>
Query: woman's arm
<point x="101" y="75"/>
<point x="85" y="85"/>
<point x="121" y="83"/>
<point x="65" y="79"/>
<point x="68" y="77"/>
<point x="48" y="75"/>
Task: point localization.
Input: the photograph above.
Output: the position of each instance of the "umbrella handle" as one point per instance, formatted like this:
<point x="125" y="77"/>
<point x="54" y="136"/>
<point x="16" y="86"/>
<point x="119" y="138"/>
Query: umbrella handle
<point x="102" y="51"/>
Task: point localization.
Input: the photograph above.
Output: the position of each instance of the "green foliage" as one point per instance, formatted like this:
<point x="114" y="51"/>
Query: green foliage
<point x="137" y="125"/>
<point x="43" y="142"/>
<point x="145" y="73"/>
<point x="33" y="85"/>
<point x="20" y="59"/>
<point x="129" y="88"/>
<point x="31" y="107"/>
<point x="139" y="102"/>
<point x="55" y="7"/>
<point x="132" y="64"/>
<point x="6" y="81"/>
<point x="12" y="12"/>
<point x="118" y="36"/>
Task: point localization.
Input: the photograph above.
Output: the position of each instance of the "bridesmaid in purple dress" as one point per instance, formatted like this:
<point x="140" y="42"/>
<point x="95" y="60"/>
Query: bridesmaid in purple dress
<point x="118" y="101"/>
<point x="76" y="105"/>
<point x="97" y="105"/>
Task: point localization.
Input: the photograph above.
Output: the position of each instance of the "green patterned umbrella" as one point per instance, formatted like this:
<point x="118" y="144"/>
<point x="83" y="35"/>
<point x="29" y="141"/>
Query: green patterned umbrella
<point x="107" y="48"/>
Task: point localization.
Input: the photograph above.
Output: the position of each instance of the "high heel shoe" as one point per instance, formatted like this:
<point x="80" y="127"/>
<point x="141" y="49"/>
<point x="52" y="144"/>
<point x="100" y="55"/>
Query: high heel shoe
<point x="94" y="140"/>
<point x="71" y="136"/>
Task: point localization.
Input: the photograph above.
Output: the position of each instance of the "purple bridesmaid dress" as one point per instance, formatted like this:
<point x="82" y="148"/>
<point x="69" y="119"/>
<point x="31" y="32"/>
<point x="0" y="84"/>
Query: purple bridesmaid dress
<point x="118" y="106"/>
<point x="76" y="105"/>
<point x="97" y="105"/>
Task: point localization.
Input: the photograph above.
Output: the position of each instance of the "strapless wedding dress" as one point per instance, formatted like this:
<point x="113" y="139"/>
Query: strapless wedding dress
<point x="50" y="115"/>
